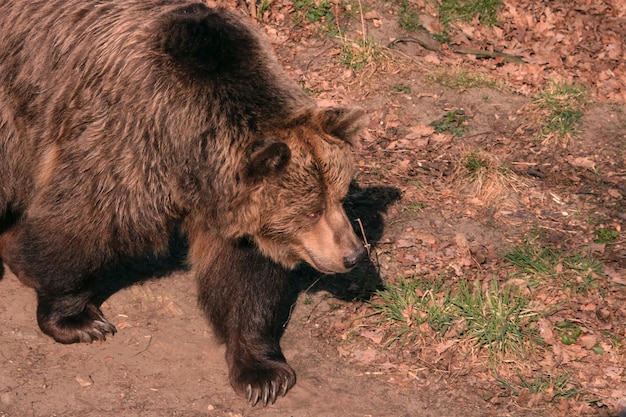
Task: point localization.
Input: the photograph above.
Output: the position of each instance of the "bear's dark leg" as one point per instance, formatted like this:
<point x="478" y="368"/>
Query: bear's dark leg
<point x="8" y="220"/>
<point x="240" y="291"/>
<point x="3" y="248"/>
<point x="72" y="318"/>
<point x="62" y="275"/>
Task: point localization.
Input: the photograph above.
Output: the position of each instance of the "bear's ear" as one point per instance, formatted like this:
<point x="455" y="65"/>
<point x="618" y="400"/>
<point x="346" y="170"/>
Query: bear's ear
<point x="266" y="158"/>
<point x="205" y="39"/>
<point x="342" y="123"/>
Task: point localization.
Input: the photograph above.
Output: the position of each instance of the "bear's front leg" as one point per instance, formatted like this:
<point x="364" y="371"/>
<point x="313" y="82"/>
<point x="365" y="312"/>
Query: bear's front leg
<point x="71" y="318"/>
<point x="240" y="291"/>
<point x="61" y="275"/>
<point x="257" y="368"/>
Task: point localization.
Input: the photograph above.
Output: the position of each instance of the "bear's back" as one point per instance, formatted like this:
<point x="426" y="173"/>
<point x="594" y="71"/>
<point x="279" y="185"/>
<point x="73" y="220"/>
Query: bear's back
<point x="79" y="54"/>
<point x="130" y="112"/>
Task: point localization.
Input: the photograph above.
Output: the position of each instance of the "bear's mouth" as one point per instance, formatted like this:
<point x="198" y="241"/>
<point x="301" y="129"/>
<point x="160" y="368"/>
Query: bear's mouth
<point x="311" y="260"/>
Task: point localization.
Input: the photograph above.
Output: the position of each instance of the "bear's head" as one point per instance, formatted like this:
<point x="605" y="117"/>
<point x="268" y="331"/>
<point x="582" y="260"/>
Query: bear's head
<point x="299" y="176"/>
<point x="287" y="170"/>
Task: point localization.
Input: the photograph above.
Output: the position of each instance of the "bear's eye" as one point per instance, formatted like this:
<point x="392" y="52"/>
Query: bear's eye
<point x="315" y="216"/>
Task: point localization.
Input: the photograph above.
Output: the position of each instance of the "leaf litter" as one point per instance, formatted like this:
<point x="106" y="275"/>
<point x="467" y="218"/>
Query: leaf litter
<point x="454" y="221"/>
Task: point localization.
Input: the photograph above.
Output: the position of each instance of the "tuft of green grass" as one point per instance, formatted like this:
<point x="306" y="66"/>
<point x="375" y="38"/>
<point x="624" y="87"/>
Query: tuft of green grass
<point x="443" y="37"/>
<point x="560" y="108"/>
<point x="558" y="385"/>
<point x="314" y="11"/>
<point x="542" y="266"/>
<point x="497" y="319"/>
<point x="568" y="331"/>
<point x="532" y="260"/>
<point x="334" y="306"/>
<point x="263" y="7"/>
<point x="604" y="235"/>
<point x="597" y="349"/>
<point x="459" y="78"/>
<point x="308" y="91"/>
<point x="474" y="163"/>
<point x="466" y="10"/>
<point x="407" y="304"/>
<point x="360" y="54"/>
<point x="400" y="88"/>
<point x="486" y="177"/>
<point x="408" y="20"/>
<point x="453" y="122"/>
<point x="416" y="206"/>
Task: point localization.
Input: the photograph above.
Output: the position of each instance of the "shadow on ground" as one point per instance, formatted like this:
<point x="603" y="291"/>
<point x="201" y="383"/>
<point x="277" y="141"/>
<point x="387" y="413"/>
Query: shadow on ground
<point x="365" y="205"/>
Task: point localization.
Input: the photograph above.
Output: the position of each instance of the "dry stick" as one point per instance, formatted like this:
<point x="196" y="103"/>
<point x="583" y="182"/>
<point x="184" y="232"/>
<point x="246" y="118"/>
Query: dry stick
<point x="366" y="244"/>
<point x="430" y="44"/>
<point x="341" y="35"/>
<point x="252" y="9"/>
<point x="363" y="29"/>
<point x="146" y="348"/>
<point x="491" y="54"/>
<point x="423" y="39"/>
<point x="294" y="304"/>
<point x="486" y="132"/>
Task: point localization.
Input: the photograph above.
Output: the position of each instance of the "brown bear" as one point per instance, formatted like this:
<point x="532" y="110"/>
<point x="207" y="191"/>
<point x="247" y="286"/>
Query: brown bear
<point x="124" y="121"/>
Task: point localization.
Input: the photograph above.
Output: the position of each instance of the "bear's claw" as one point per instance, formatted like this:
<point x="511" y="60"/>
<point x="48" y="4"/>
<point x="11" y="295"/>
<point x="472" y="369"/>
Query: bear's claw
<point x="268" y="394"/>
<point x="265" y="385"/>
<point x="86" y="327"/>
<point x="101" y="328"/>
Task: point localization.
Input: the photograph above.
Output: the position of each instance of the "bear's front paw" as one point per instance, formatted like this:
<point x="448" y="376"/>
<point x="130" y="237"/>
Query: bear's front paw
<point x="263" y="381"/>
<point x="87" y="326"/>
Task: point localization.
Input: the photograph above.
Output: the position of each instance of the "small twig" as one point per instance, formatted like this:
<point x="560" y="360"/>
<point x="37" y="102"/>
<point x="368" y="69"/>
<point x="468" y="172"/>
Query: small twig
<point x="146" y="348"/>
<point x="252" y="9"/>
<point x="311" y="286"/>
<point x="363" y="29"/>
<point x="525" y="163"/>
<point x="491" y="54"/>
<point x="294" y="304"/>
<point x="324" y="52"/>
<point x="425" y="41"/>
<point x="486" y="132"/>
<point x="366" y="244"/>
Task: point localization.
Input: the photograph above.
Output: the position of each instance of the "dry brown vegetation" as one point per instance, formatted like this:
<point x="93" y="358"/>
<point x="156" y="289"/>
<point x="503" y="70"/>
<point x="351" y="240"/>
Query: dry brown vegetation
<point x="506" y="143"/>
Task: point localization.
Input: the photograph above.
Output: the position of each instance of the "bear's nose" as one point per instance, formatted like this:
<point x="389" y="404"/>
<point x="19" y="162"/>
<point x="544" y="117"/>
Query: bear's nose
<point x="351" y="260"/>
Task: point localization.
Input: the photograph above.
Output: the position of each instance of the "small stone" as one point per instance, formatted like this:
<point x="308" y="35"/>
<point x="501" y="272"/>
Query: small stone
<point x="26" y="333"/>
<point x="604" y="314"/>
<point x="84" y="381"/>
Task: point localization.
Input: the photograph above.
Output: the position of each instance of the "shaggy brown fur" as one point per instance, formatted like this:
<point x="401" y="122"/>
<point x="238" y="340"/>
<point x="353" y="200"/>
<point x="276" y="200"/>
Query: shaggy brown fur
<point x="120" y="122"/>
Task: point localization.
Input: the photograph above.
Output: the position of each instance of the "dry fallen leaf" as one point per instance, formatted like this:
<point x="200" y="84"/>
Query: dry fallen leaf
<point x="366" y="356"/>
<point x="583" y="162"/>
<point x="545" y="331"/>
<point x="443" y="346"/>
<point x="420" y="130"/>
<point x="588" y="341"/>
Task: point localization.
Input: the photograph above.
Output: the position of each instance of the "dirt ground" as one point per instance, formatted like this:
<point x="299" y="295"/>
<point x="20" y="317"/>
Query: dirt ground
<point x="164" y="362"/>
<point x="417" y="218"/>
